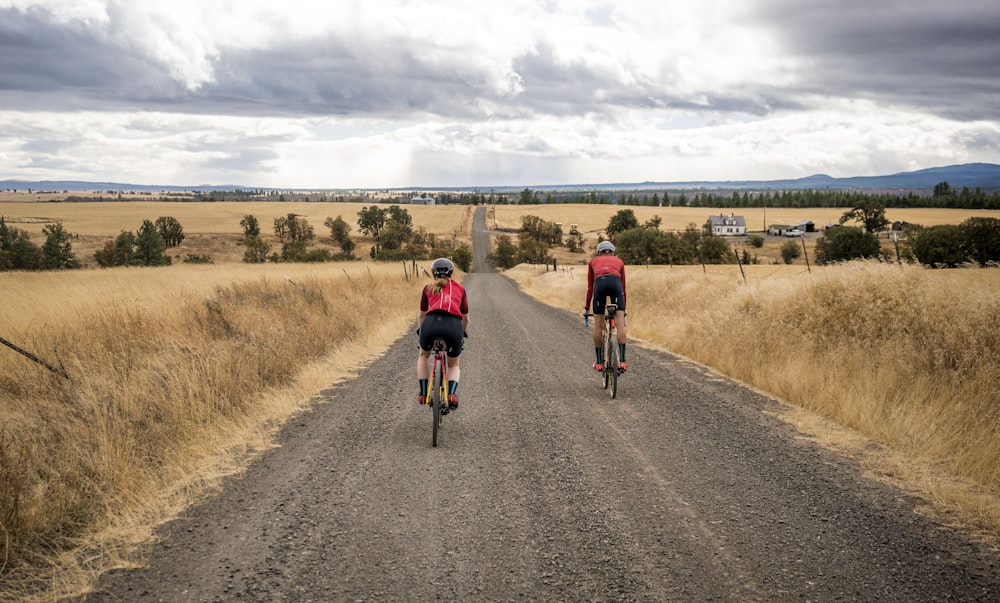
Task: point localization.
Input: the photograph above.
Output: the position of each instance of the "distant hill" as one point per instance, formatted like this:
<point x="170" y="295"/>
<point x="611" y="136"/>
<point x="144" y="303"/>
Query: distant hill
<point x="985" y="176"/>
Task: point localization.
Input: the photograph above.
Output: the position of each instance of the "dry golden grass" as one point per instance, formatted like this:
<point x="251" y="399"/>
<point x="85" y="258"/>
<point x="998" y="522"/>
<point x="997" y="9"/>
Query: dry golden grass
<point x="904" y="356"/>
<point x="179" y="376"/>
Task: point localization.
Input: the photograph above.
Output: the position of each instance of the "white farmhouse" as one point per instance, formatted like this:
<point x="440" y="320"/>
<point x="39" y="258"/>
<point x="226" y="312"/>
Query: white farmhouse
<point x="423" y="200"/>
<point x="728" y="226"/>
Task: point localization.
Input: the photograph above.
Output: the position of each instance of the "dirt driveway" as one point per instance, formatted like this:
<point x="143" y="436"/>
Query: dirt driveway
<point x="543" y="489"/>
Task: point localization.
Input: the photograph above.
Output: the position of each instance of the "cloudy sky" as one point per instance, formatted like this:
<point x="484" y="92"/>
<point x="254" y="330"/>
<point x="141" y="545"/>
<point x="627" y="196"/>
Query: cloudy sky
<point x="406" y="93"/>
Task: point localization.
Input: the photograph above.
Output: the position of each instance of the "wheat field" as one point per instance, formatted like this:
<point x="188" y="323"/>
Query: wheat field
<point x="213" y="228"/>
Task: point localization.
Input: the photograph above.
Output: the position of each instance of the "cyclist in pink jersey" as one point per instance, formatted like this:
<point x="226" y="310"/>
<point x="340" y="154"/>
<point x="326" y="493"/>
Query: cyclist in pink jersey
<point x="444" y="314"/>
<point x="606" y="279"/>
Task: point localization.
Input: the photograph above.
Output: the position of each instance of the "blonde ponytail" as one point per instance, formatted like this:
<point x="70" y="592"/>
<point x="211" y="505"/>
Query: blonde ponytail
<point x="438" y="285"/>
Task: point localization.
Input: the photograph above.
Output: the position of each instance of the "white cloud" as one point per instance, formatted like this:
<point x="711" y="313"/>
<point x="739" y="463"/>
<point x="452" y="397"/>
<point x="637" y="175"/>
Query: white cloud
<point x="437" y="92"/>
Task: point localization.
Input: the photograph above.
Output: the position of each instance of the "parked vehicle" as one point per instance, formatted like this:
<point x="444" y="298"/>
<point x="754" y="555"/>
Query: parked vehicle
<point x="794" y="232"/>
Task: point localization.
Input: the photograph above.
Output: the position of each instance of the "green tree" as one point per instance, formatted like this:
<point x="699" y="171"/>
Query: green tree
<point x="251" y="227"/>
<point x="532" y="251"/>
<point x="642" y="245"/>
<point x="536" y="228"/>
<point x="57" y="251"/>
<point x="371" y="220"/>
<point x="870" y="213"/>
<point x="943" y="189"/>
<point x="340" y="232"/>
<point x="981" y="239"/>
<point x="149" y="246"/>
<point x="620" y="222"/>
<point x="716" y="250"/>
<point x="462" y="256"/>
<point x="938" y="246"/>
<point x="842" y="243"/>
<point x="790" y="250"/>
<point x="17" y="252"/>
<point x="120" y="252"/>
<point x="295" y="233"/>
<point x="256" y="249"/>
<point x="171" y="230"/>
<point x="503" y="254"/>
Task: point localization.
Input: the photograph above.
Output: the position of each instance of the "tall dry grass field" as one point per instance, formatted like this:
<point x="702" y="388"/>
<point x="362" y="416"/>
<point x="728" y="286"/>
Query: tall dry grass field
<point x="177" y="376"/>
<point x="904" y="355"/>
<point x="591" y="218"/>
<point x="213" y="228"/>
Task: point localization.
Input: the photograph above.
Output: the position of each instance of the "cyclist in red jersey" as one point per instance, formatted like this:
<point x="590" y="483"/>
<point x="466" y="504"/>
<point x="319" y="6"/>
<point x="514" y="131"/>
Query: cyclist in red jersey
<point x="606" y="279"/>
<point x="444" y="314"/>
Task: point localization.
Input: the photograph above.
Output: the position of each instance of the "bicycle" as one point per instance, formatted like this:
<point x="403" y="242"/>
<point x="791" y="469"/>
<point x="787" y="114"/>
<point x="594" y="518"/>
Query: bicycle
<point x="612" y="366"/>
<point x="437" y="395"/>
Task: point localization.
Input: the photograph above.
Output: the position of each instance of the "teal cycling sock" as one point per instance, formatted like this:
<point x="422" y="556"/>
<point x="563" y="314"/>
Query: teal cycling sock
<point x="423" y="386"/>
<point x="621" y="352"/>
<point x="453" y="387"/>
<point x="600" y="355"/>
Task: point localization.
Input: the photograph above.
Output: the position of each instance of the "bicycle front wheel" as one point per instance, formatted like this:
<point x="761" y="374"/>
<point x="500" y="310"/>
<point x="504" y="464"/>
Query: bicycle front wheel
<point x="611" y="366"/>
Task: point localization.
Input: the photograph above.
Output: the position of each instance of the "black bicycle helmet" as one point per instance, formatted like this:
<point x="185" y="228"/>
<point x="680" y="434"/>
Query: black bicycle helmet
<point x="442" y="267"/>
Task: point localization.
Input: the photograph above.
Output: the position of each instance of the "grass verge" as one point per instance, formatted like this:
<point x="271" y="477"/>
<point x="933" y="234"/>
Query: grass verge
<point x="178" y="377"/>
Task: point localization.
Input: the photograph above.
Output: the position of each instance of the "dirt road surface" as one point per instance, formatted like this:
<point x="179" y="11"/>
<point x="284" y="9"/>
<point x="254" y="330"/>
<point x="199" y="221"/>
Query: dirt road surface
<point x="543" y="489"/>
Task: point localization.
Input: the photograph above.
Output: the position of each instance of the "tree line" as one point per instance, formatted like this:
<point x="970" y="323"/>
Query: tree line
<point x="391" y="230"/>
<point x="975" y="241"/>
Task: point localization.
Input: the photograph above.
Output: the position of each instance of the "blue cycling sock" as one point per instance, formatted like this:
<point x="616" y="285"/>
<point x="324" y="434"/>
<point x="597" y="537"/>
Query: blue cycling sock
<point x="423" y="386"/>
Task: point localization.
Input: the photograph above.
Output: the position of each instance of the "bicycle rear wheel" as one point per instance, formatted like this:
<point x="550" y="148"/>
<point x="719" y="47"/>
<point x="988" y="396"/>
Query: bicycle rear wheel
<point x="611" y="365"/>
<point x="437" y="400"/>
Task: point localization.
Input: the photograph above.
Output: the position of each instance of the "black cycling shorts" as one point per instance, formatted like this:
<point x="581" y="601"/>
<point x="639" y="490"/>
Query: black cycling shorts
<point x="609" y="286"/>
<point x="441" y="325"/>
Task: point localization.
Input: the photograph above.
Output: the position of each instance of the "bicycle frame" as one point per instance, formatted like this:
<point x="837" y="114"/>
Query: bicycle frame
<point x="437" y="394"/>
<point x="612" y="367"/>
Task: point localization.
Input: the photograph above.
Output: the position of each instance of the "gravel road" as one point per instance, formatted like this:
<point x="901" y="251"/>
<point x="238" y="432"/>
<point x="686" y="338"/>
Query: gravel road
<point x="685" y="488"/>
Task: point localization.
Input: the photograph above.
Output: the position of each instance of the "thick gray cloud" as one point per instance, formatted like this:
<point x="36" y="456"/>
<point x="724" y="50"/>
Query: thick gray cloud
<point x="51" y="65"/>
<point x="942" y="57"/>
<point x="524" y="91"/>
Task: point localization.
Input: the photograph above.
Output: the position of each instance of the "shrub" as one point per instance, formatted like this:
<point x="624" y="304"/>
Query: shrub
<point x="842" y="243"/>
<point x="790" y="251"/>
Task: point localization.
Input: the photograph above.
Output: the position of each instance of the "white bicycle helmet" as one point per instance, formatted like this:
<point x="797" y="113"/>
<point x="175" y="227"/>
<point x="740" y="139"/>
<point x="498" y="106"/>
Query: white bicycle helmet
<point x="442" y="267"/>
<point x="605" y="247"/>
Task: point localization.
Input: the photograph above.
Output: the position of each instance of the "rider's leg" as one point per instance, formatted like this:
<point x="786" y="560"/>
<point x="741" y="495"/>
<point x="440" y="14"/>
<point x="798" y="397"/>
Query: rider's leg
<point x="620" y="326"/>
<point x="599" y="340"/>
<point x="423" y="371"/>
<point x="599" y="336"/>
<point x="454" y="373"/>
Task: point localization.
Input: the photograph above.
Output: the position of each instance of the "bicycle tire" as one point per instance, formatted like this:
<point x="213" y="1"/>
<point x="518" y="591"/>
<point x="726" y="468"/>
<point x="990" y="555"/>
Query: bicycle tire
<point x="611" y="368"/>
<point x="437" y="400"/>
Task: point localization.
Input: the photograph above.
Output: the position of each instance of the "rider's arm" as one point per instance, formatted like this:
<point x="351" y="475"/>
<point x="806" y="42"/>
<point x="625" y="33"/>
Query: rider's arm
<point x="624" y="290"/>
<point x="464" y="309"/>
<point x="590" y="286"/>
<point x="423" y="307"/>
